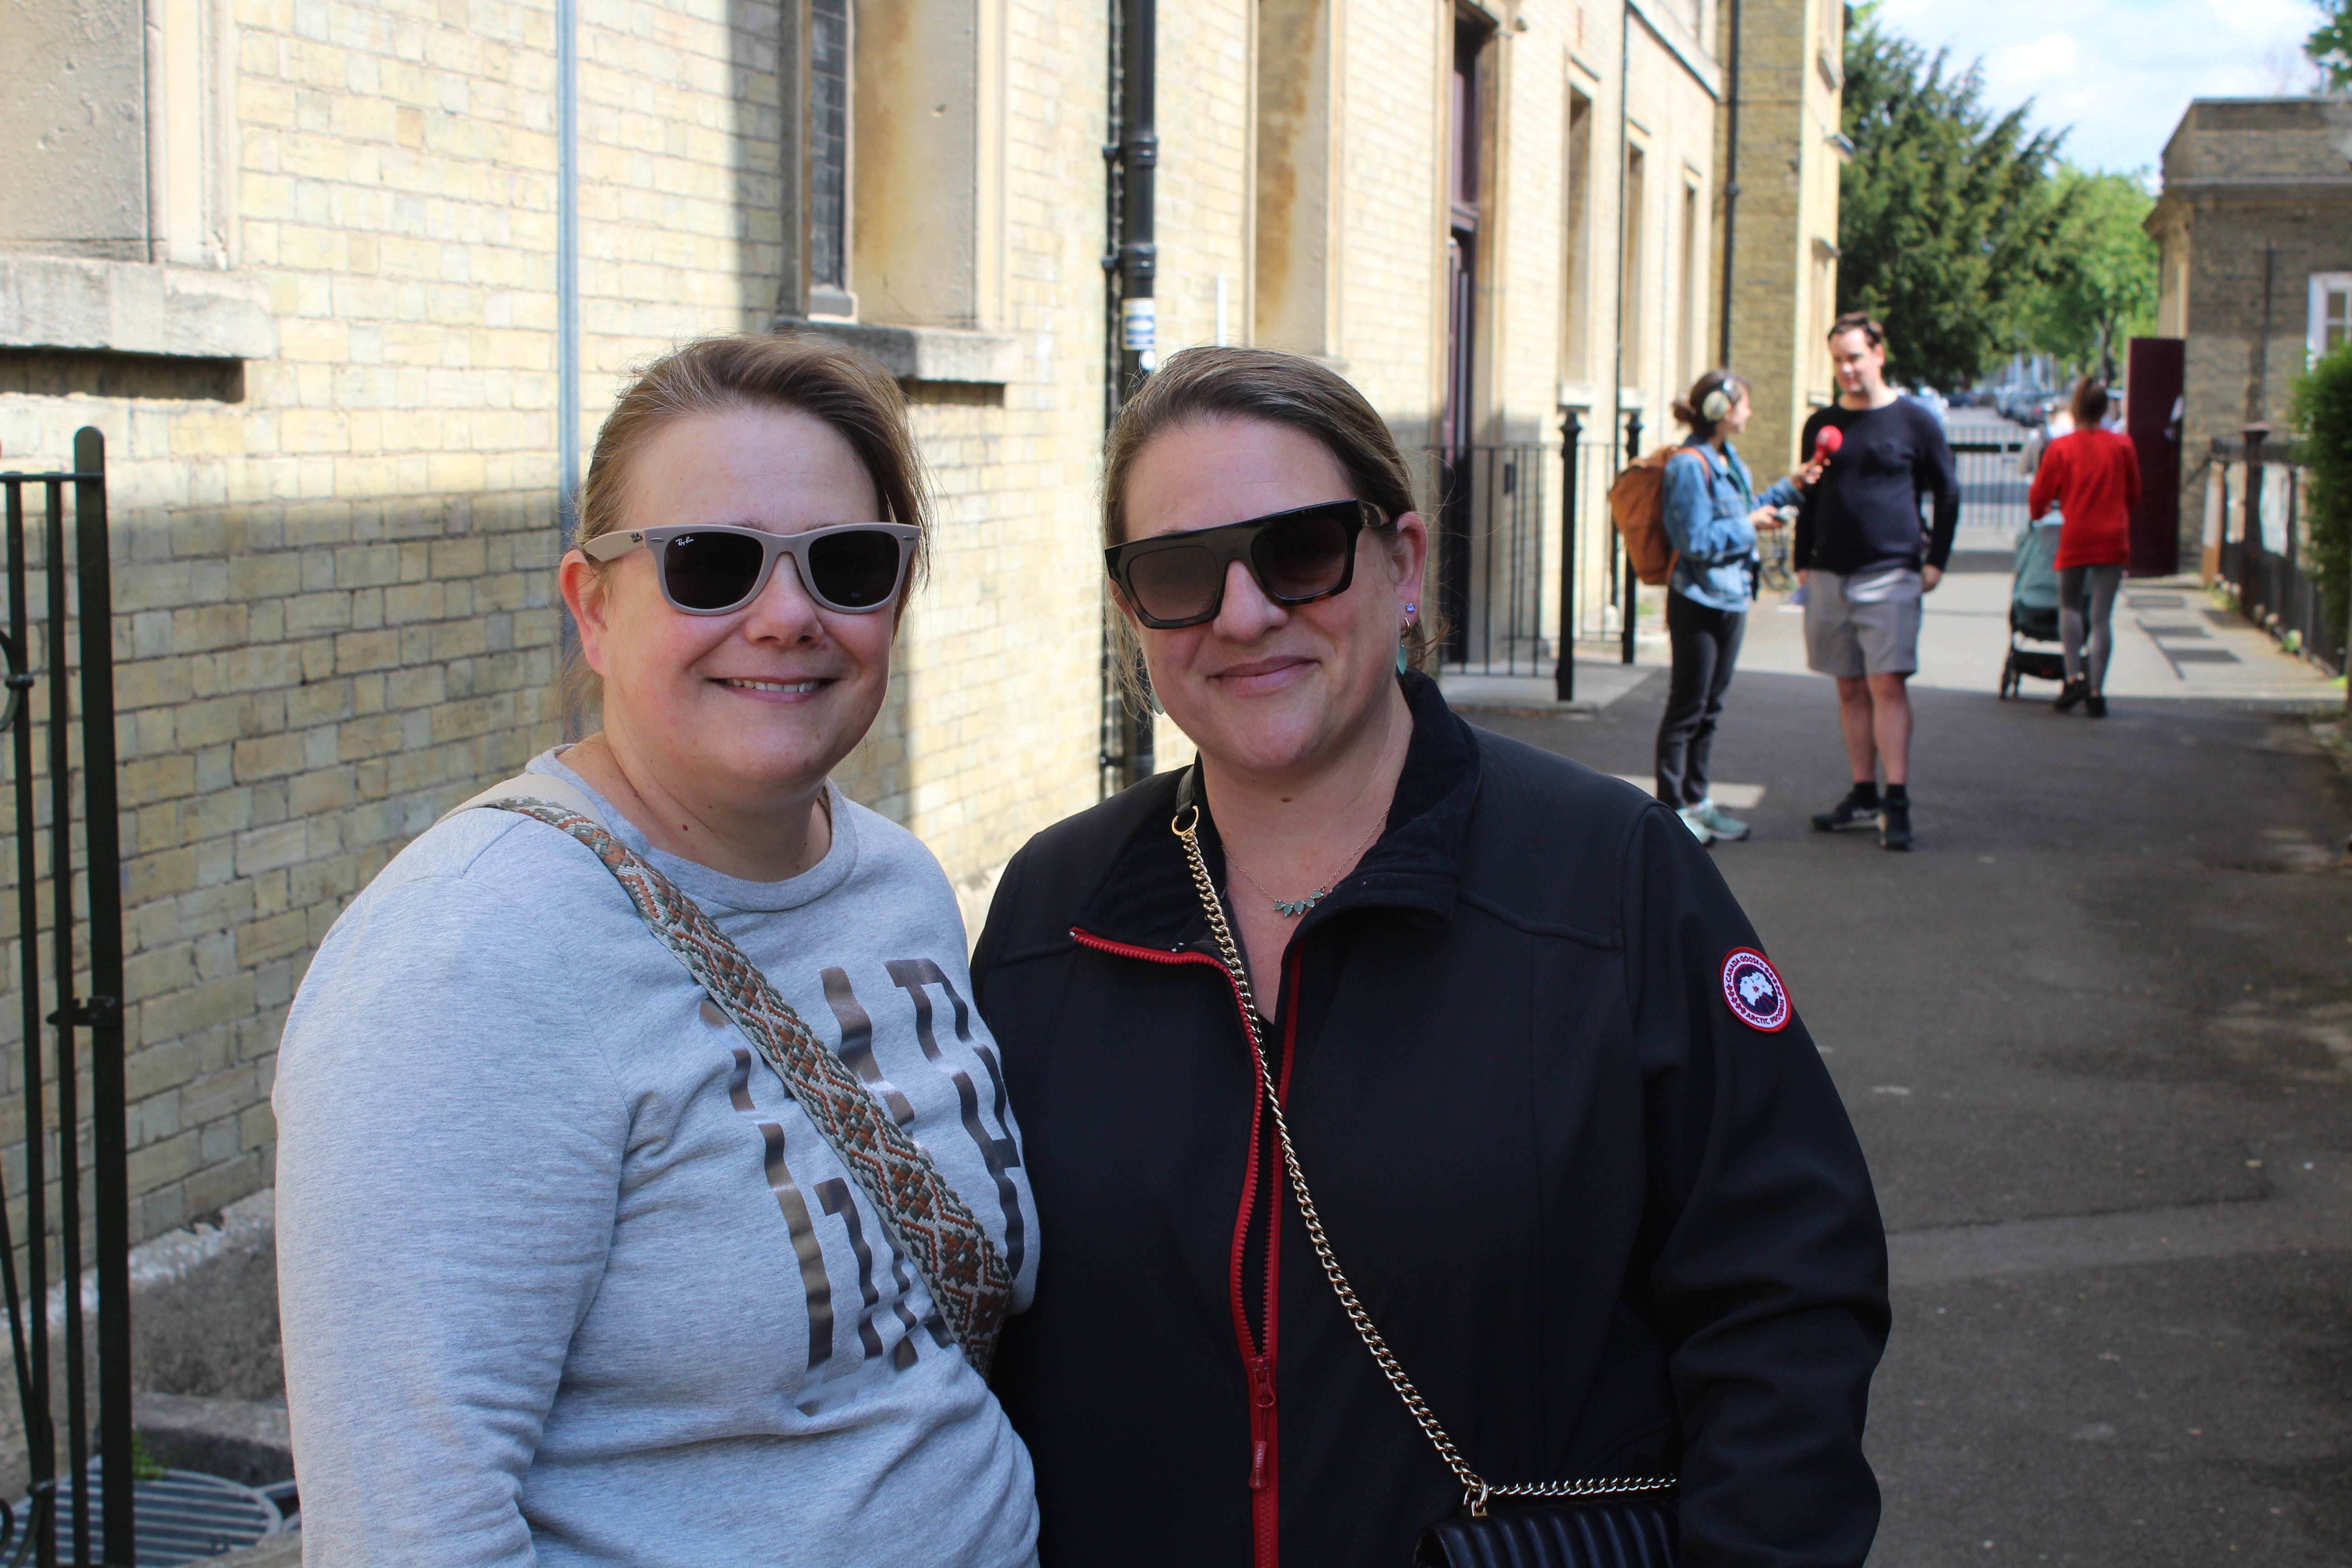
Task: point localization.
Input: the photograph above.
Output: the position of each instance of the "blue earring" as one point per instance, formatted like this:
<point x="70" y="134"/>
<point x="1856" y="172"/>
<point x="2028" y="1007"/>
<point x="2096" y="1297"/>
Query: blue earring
<point x="1410" y="610"/>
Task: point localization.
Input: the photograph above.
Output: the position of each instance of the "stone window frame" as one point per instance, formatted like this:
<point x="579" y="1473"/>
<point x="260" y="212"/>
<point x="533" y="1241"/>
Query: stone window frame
<point x="186" y="298"/>
<point x="828" y="115"/>
<point x="923" y="225"/>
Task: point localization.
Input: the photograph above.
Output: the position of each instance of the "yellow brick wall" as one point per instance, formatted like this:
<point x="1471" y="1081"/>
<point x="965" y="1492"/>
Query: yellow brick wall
<point x="335" y="593"/>
<point x="1787" y="209"/>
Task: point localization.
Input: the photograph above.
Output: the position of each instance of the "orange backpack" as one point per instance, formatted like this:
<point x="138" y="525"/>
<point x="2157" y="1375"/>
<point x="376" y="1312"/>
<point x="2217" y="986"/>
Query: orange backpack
<point x="1637" y="505"/>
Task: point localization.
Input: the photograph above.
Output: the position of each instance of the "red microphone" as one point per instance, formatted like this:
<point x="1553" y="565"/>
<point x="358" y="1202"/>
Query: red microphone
<point x="1826" y="442"/>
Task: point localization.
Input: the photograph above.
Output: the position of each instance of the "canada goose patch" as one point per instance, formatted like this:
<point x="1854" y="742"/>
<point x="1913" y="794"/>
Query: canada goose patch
<point x="1752" y="989"/>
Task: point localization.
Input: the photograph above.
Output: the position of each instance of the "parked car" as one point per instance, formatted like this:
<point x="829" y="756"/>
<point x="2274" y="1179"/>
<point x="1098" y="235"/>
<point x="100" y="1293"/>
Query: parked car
<point x="2023" y="401"/>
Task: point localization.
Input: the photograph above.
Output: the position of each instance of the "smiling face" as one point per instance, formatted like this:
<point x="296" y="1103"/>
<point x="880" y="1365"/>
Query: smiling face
<point x="1264" y="689"/>
<point x="741" y="707"/>
<point x="1733" y="422"/>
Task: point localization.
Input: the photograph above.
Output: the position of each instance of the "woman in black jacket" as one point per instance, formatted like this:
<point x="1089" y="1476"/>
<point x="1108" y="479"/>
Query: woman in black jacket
<point x="1583" y="1167"/>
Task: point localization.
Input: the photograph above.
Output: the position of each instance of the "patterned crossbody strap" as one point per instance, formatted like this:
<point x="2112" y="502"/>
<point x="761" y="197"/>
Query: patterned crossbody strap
<point x="934" y="1224"/>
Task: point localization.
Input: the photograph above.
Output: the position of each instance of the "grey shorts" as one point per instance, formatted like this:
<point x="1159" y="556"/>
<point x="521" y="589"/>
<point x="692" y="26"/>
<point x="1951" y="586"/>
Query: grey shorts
<point x="1865" y="623"/>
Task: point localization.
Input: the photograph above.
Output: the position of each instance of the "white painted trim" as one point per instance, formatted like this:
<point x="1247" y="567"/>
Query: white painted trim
<point x="2315" y="321"/>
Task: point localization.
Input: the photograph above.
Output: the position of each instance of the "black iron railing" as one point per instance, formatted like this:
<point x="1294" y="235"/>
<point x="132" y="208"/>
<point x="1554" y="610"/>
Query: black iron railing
<point x="44" y="656"/>
<point x="1528" y="562"/>
<point x="2266" y="546"/>
<point x="1525" y="555"/>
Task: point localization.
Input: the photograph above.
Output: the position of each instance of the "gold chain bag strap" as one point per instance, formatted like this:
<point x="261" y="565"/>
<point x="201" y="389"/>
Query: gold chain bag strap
<point x="1475" y="1489"/>
<point x="933" y="1223"/>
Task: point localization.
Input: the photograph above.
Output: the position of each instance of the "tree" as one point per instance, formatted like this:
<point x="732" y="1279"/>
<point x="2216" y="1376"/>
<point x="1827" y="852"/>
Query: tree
<point x="2330" y="44"/>
<point x="2100" y="286"/>
<point x="1945" y="212"/>
<point x="2321" y="412"/>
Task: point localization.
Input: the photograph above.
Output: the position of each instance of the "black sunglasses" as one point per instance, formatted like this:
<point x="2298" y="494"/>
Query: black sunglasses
<point x="715" y="569"/>
<point x="1297" y="556"/>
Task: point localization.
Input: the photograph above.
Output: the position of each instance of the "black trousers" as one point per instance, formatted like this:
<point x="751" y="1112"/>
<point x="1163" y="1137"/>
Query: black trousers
<point x="1706" y="646"/>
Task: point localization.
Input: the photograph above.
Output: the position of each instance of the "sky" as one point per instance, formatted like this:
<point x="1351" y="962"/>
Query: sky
<point x="2119" y="71"/>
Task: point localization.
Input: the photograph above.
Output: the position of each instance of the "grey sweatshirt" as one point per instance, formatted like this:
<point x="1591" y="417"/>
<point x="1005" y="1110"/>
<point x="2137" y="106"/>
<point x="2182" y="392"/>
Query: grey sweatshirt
<point x="566" y="1276"/>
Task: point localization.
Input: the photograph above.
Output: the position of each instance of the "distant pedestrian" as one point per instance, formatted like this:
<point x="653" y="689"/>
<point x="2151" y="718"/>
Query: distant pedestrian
<point x="2092" y="477"/>
<point x="1711" y="514"/>
<point x="1867" y="559"/>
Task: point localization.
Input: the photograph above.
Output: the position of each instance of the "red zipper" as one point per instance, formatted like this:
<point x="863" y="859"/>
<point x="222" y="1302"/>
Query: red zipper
<point x="1258" y="1349"/>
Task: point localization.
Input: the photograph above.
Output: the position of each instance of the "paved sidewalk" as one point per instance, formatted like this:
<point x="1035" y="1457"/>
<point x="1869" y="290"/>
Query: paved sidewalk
<point x="2095" y="1034"/>
<point x="2173" y="639"/>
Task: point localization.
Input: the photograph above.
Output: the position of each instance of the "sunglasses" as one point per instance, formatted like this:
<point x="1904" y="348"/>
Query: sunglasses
<point x="1296" y="557"/>
<point x="715" y="569"/>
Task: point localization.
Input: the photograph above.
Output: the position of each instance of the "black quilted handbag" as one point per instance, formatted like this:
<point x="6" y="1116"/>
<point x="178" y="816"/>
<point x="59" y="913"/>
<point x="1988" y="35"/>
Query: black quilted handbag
<point x="1602" y="1523"/>
<point x="1634" y="1533"/>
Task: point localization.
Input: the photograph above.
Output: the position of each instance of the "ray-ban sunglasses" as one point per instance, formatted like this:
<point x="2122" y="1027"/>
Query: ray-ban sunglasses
<point x="716" y="569"/>
<point x="1297" y="556"/>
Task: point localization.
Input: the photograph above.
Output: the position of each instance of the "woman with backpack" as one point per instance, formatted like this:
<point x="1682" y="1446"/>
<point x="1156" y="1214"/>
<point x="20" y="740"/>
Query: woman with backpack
<point x="1711" y="512"/>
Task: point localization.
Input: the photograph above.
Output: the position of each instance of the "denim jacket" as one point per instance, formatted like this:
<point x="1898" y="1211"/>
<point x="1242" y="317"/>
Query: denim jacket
<point x="1707" y="501"/>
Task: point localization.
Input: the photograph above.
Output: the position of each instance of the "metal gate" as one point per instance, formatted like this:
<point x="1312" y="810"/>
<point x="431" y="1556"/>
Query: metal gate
<point x="54" y="735"/>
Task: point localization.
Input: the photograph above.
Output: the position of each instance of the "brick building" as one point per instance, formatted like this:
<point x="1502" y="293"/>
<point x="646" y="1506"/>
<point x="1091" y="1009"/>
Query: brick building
<point x="2255" y="232"/>
<point x="1784" y="224"/>
<point x="302" y="272"/>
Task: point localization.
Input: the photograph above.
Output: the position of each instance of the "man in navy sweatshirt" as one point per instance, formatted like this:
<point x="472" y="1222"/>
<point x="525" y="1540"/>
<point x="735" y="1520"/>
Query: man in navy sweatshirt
<point x="1867" y="557"/>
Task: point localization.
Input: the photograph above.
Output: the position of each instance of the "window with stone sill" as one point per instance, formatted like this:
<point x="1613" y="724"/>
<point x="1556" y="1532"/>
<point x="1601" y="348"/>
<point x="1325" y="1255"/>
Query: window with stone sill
<point x="894" y="164"/>
<point x="113" y="129"/>
<point x="830" y="124"/>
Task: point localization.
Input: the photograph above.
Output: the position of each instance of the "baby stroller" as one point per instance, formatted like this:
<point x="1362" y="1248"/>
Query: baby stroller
<point x="2033" y="609"/>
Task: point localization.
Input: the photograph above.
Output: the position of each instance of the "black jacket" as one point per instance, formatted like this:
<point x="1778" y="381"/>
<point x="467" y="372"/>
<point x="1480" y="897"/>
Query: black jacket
<point x="1609" y="1228"/>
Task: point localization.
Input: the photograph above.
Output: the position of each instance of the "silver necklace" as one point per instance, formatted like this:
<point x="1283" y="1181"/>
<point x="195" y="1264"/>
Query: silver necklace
<point x="1290" y="909"/>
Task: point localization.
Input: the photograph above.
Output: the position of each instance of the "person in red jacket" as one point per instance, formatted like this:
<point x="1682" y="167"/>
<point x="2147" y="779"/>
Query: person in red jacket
<point x="2092" y="477"/>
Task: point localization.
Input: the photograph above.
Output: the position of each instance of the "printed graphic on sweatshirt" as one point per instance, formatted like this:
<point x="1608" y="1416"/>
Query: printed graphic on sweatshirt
<point x="832" y="1224"/>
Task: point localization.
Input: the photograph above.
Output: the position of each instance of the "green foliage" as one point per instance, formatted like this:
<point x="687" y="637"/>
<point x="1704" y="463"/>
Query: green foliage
<point x="2330" y="44"/>
<point x="1947" y="213"/>
<point x="2100" y="273"/>
<point x="143" y="1465"/>
<point x="2321" y="411"/>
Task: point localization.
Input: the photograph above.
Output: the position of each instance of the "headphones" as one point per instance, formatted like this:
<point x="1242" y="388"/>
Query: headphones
<point x="1715" y="406"/>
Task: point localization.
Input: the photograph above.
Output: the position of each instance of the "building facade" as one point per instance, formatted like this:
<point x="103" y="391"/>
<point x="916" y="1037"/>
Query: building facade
<point x="2254" y="230"/>
<point x="1784" y="159"/>
<point x="303" y="274"/>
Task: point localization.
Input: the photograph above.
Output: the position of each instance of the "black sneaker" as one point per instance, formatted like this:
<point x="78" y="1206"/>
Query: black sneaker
<point x="1895" y="825"/>
<point x="1856" y="812"/>
<point x="2073" y="692"/>
<point x="2094" y="706"/>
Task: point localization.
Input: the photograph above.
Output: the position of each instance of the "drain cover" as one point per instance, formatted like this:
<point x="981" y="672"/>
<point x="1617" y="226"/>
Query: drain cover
<point x="182" y="1517"/>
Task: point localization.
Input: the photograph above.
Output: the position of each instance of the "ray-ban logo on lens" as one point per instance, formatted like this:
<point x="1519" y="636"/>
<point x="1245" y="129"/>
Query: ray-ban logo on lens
<point x="1752" y="989"/>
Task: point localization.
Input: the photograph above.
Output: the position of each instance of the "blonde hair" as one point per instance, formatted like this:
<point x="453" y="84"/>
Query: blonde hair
<point x="842" y="386"/>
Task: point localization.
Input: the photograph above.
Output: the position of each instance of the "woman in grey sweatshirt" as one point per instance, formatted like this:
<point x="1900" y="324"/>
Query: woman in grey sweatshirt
<point x="568" y="1276"/>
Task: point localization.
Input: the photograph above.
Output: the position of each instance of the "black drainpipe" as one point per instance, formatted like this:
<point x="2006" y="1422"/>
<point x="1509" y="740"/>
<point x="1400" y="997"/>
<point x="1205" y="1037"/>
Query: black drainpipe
<point x="1139" y="257"/>
<point x="1130" y="264"/>
<point x="1730" y="181"/>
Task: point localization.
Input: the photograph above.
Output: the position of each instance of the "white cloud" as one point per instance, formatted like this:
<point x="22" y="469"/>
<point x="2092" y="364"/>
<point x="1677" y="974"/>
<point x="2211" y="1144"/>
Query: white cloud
<point x="2119" y="72"/>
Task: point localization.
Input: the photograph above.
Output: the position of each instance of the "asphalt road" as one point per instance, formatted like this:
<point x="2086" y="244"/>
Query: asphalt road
<point x="2096" y="1032"/>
